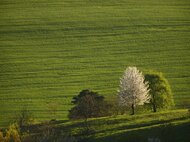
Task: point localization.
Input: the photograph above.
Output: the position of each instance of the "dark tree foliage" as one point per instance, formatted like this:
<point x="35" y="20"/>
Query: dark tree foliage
<point x="160" y="91"/>
<point x="89" y="104"/>
<point x="84" y="93"/>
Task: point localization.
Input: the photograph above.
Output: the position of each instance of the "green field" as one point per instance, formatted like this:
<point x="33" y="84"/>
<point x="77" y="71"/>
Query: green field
<point x="51" y="50"/>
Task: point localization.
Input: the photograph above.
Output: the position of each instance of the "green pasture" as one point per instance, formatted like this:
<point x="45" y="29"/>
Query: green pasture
<point x="51" y="50"/>
<point x="168" y="126"/>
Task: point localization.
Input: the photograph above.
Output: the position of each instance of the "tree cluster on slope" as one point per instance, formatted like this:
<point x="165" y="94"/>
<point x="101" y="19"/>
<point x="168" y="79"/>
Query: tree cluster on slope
<point x="89" y="104"/>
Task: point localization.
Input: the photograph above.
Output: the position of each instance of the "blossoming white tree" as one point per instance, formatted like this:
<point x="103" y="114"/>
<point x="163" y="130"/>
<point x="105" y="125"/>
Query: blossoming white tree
<point x="133" y="89"/>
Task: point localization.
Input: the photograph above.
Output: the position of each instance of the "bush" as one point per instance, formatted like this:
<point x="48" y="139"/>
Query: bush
<point x="24" y="119"/>
<point x="12" y="134"/>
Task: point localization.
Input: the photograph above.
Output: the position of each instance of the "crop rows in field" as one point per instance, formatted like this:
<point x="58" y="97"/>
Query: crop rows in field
<point x="49" y="51"/>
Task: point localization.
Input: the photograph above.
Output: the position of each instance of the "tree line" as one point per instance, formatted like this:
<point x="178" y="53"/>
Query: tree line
<point x="135" y="89"/>
<point x="150" y="90"/>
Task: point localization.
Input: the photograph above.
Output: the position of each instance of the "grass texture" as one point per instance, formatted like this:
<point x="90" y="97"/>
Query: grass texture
<point x="51" y="50"/>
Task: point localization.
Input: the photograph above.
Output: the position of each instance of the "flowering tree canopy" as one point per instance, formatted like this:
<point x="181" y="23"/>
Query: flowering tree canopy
<point x="133" y="89"/>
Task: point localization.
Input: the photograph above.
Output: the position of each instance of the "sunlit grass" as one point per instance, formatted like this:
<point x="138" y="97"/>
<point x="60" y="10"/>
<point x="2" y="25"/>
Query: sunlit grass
<point x="51" y="50"/>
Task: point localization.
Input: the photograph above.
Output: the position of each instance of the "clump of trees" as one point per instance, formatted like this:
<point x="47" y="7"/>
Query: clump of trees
<point x="89" y="104"/>
<point x="160" y="91"/>
<point x="138" y="89"/>
<point x="133" y="89"/>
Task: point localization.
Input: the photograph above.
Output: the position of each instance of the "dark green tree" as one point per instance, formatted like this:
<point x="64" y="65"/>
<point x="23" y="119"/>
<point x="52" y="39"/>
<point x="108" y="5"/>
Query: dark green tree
<point x="160" y="91"/>
<point x="88" y="104"/>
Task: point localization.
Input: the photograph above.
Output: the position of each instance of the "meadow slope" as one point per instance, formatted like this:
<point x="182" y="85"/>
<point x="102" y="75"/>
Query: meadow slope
<point x="51" y="50"/>
<point x="168" y="126"/>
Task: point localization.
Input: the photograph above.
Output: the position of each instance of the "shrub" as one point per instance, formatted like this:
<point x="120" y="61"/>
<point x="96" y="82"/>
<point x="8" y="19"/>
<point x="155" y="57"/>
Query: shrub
<point x="24" y="118"/>
<point x="12" y="134"/>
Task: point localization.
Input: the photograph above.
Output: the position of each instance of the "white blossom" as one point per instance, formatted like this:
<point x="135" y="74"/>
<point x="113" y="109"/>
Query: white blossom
<point x="133" y="89"/>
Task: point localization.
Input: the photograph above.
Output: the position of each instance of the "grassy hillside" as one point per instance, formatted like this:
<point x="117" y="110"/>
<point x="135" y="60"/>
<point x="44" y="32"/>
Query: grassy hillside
<point x="168" y="126"/>
<point x="51" y="50"/>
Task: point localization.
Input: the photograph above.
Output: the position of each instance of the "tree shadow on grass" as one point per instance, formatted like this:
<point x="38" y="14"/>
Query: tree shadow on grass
<point x="145" y="124"/>
<point x="162" y="133"/>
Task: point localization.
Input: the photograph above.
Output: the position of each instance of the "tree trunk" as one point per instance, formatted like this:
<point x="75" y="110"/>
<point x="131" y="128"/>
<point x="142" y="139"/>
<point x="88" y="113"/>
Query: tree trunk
<point x="86" y="124"/>
<point x="133" y="109"/>
<point x="153" y="103"/>
<point x="154" y="107"/>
